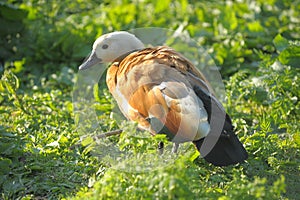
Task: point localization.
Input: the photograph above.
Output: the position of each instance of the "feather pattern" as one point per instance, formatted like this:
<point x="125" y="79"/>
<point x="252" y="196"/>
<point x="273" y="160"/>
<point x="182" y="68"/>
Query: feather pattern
<point x="153" y="83"/>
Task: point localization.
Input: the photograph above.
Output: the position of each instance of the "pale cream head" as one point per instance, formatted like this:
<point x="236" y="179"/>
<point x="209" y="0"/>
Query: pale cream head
<point x="107" y="48"/>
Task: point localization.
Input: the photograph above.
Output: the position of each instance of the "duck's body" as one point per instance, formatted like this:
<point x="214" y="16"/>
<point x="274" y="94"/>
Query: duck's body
<point x="152" y="83"/>
<point x="164" y="92"/>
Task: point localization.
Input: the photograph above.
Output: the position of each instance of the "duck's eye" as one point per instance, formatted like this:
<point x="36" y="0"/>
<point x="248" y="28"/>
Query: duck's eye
<point x="105" y="46"/>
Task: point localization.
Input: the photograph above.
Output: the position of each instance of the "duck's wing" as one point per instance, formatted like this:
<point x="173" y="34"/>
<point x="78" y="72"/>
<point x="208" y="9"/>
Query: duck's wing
<point x="151" y="88"/>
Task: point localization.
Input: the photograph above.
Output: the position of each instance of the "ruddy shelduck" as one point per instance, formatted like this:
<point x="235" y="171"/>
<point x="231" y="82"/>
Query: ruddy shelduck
<point x="165" y="93"/>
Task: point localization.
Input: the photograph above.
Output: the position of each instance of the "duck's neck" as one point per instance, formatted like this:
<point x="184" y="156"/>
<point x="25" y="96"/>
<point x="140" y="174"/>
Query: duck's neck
<point x="120" y="58"/>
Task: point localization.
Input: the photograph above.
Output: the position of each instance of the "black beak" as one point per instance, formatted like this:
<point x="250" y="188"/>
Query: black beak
<point x="91" y="61"/>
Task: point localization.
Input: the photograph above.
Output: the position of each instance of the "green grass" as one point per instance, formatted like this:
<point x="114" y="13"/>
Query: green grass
<point x="255" y="44"/>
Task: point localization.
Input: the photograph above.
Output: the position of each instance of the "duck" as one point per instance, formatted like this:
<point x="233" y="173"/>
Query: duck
<point x="165" y="93"/>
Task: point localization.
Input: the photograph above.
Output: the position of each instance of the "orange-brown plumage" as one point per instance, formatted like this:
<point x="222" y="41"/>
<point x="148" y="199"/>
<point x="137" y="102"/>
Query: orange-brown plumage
<point x="138" y="74"/>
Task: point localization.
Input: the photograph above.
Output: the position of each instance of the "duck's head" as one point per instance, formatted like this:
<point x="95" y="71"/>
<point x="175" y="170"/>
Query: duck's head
<point x="109" y="47"/>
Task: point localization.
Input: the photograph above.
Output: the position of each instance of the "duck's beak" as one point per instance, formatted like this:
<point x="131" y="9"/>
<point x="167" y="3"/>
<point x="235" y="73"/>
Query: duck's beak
<point x="91" y="61"/>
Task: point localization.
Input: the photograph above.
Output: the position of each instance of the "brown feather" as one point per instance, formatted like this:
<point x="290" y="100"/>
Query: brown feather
<point x="140" y="71"/>
<point x="111" y="78"/>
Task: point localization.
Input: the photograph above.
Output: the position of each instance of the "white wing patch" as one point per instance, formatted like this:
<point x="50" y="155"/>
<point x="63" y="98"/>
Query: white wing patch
<point x="194" y="124"/>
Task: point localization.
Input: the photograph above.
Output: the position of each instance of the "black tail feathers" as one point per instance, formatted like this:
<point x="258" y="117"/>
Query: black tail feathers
<point x="227" y="150"/>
